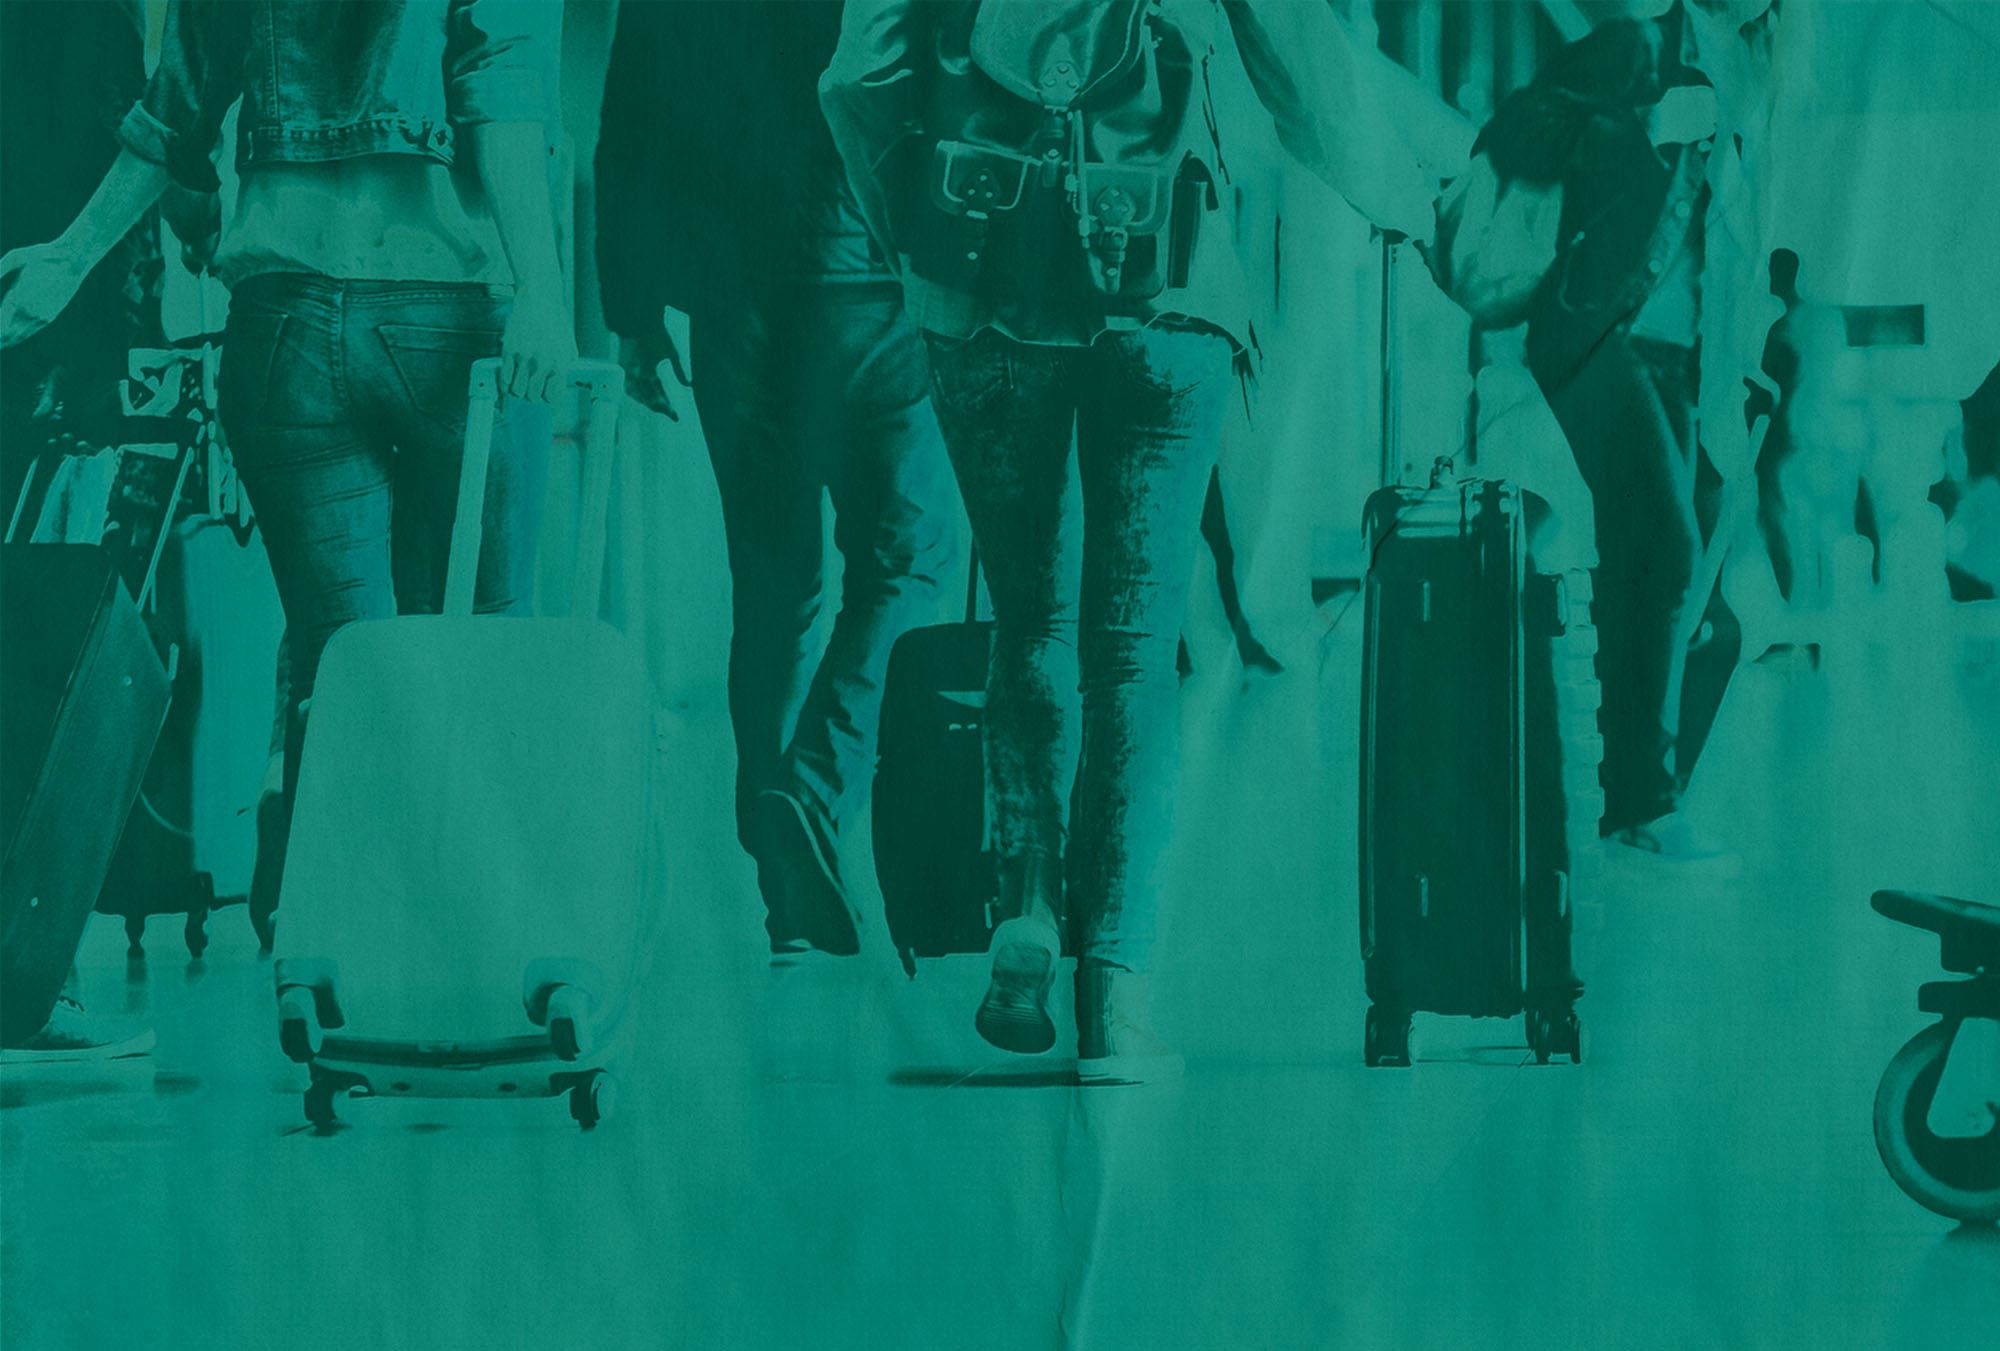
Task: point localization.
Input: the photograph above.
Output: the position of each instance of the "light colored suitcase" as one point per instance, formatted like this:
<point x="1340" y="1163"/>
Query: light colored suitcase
<point x="475" y="839"/>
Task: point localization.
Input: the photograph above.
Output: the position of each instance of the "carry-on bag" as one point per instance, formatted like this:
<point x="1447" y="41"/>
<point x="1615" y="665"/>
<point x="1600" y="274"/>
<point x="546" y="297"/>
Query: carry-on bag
<point x="475" y="836"/>
<point x="85" y="696"/>
<point x="192" y="841"/>
<point x="1479" y="755"/>
<point x="932" y="813"/>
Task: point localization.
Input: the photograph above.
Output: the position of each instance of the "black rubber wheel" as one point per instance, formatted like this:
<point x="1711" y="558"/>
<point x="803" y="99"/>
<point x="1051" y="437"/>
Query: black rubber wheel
<point x="135" y="935"/>
<point x="1959" y="1179"/>
<point x="1575" y="1039"/>
<point x="319" y="1104"/>
<point x="1540" y="1034"/>
<point x="196" y="931"/>
<point x="591" y="1100"/>
<point x="1371" y="1038"/>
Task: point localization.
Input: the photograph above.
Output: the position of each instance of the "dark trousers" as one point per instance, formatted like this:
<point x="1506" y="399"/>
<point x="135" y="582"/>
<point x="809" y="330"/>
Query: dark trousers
<point x="805" y="391"/>
<point x="1629" y="415"/>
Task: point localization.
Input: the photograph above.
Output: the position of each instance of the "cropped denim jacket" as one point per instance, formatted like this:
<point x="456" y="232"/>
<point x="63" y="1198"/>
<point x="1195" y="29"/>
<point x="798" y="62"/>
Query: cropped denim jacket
<point x="324" y="81"/>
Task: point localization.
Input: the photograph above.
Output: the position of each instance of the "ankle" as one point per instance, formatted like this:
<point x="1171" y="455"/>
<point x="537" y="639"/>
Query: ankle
<point x="1031" y="886"/>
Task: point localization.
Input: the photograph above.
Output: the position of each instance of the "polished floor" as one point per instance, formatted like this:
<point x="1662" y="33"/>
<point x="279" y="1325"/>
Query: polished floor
<point x="833" y="1159"/>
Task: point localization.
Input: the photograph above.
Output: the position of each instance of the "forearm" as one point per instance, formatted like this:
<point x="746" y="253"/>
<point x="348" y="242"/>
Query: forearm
<point x="130" y="186"/>
<point x="514" y="178"/>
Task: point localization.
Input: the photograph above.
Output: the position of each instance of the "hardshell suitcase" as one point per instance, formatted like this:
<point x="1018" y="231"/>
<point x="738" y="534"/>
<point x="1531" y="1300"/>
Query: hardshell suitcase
<point x="83" y="701"/>
<point x="932" y="812"/>
<point x="475" y="833"/>
<point x="1479" y="760"/>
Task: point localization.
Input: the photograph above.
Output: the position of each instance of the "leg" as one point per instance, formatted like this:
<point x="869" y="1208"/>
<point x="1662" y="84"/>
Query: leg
<point x="1626" y="415"/>
<point x="1007" y="411"/>
<point x="775" y="537"/>
<point x="893" y="508"/>
<point x="1146" y="441"/>
<point x="410" y="356"/>
<point x="321" y="479"/>
<point x="1007" y="414"/>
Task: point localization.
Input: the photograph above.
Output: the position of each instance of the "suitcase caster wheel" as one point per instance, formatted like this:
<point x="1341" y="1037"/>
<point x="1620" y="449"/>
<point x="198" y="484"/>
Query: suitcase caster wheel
<point x="135" y="936"/>
<point x="1541" y="1036"/>
<point x="319" y="1105"/>
<point x="1959" y="1179"/>
<point x="1388" y="1038"/>
<point x="1575" y="1039"/>
<point x="196" y="932"/>
<point x="591" y="1101"/>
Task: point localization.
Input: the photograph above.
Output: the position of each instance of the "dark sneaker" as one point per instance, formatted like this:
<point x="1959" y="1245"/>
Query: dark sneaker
<point x="72" y="1034"/>
<point x="1113" y="1043"/>
<point x="807" y="863"/>
<point x="1015" y="1013"/>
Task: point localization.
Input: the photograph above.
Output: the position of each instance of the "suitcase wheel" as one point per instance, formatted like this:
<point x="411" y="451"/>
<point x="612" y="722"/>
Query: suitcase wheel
<point x="592" y="1097"/>
<point x="1551" y="1035"/>
<point x="319" y="1103"/>
<point x="1388" y="1038"/>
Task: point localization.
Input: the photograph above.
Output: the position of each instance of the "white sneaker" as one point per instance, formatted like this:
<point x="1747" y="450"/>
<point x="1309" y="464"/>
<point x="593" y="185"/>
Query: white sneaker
<point x="71" y="1034"/>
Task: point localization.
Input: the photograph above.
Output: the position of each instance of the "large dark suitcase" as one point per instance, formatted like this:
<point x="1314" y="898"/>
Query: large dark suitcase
<point x="1479" y="760"/>
<point x="84" y="698"/>
<point x="932" y="817"/>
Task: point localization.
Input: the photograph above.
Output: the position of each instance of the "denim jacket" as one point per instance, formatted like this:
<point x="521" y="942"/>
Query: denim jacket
<point x="324" y="81"/>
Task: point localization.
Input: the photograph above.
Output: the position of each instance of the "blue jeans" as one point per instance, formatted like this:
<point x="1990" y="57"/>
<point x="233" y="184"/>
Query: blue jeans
<point x="811" y="390"/>
<point x="1086" y="625"/>
<point x="345" y="407"/>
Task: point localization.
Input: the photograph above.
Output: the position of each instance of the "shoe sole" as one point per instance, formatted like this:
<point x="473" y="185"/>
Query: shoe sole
<point x="1014" y="1015"/>
<point x="819" y="903"/>
<point x="129" y="1049"/>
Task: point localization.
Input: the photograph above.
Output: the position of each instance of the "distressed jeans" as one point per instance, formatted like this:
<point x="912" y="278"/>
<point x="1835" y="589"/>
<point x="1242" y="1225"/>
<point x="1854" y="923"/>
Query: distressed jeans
<point x="1082" y="701"/>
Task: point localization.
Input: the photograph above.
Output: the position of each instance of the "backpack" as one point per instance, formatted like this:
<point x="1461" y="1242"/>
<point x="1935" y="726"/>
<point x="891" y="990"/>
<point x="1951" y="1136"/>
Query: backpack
<point x="1062" y="156"/>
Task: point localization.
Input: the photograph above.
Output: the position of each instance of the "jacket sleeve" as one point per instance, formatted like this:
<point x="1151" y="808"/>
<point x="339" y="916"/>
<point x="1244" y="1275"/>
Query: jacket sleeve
<point x="499" y="56"/>
<point x="1304" y="70"/>
<point x="871" y="94"/>
<point x="1603" y="76"/>
<point x="179" y="118"/>
<point x="633" y="178"/>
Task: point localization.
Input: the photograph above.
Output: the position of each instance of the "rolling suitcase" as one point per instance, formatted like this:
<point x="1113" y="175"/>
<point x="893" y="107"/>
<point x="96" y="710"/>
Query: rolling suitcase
<point x="475" y="832"/>
<point x="1479" y="757"/>
<point x="191" y="843"/>
<point x="932" y="815"/>
<point x="84" y="700"/>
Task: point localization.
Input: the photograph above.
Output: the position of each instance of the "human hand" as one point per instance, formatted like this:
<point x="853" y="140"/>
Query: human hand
<point x="196" y="218"/>
<point x="539" y="347"/>
<point x="642" y="358"/>
<point x="36" y="285"/>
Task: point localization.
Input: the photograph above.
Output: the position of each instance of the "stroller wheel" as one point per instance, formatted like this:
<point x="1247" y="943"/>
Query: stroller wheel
<point x="1959" y="1179"/>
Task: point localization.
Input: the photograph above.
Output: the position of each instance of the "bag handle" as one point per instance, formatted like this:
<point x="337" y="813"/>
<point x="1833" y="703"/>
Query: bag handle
<point x="601" y="384"/>
<point x="1392" y="397"/>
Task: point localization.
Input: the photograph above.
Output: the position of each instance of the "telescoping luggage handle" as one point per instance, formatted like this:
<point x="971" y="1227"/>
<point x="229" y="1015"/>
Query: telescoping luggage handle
<point x="601" y="383"/>
<point x="1392" y="396"/>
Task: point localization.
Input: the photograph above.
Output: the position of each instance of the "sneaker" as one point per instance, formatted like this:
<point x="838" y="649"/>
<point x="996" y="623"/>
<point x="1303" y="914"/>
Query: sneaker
<point x="1113" y="1043"/>
<point x="1670" y="839"/>
<point x="72" y="1034"/>
<point x="1015" y="1013"/>
<point x="806" y="861"/>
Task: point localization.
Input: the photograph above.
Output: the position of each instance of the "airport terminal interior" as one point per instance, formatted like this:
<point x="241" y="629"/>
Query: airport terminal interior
<point x="825" y="1153"/>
